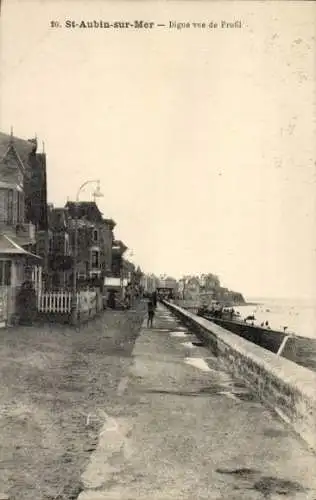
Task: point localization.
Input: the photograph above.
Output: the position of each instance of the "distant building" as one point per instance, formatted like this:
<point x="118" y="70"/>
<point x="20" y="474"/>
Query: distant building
<point x="210" y="282"/>
<point x="149" y="283"/>
<point x="167" y="286"/>
<point x="192" y="288"/>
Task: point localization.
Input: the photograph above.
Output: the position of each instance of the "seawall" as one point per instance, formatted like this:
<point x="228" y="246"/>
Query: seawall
<point x="263" y="337"/>
<point x="301" y="350"/>
<point x="283" y="385"/>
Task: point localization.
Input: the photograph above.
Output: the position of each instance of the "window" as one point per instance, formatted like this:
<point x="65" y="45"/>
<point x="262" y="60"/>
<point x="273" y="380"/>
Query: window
<point x="95" y="259"/>
<point x="18" y="206"/>
<point x="3" y="205"/>
<point x="66" y="243"/>
<point x="51" y="244"/>
<point x="5" y="272"/>
<point x="10" y="207"/>
<point x="20" y="213"/>
<point x="94" y="275"/>
<point x="95" y="235"/>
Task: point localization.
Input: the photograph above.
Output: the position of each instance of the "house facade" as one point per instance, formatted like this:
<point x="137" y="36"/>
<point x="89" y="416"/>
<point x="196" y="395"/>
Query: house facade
<point x="36" y="208"/>
<point x="18" y="263"/>
<point x="98" y="254"/>
<point x="118" y="250"/>
<point x="149" y="283"/>
<point x="94" y="240"/>
<point x="60" y="258"/>
<point x="192" y="289"/>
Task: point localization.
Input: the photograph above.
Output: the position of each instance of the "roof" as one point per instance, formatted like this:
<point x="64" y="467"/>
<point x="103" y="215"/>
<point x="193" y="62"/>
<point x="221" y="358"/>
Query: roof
<point x="22" y="146"/>
<point x="129" y="266"/>
<point x="9" y="247"/>
<point x="18" y="238"/>
<point x="87" y="209"/>
<point x="58" y="218"/>
<point x="119" y="245"/>
<point x="110" y="222"/>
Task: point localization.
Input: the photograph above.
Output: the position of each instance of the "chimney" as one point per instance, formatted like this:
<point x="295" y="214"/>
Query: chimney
<point x="34" y="143"/>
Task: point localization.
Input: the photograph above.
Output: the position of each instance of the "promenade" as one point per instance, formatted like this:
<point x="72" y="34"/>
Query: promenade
<point x="113" y="410"/>
<point x="187" y="430"/>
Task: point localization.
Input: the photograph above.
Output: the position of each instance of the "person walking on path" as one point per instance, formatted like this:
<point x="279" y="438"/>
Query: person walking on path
<point x="154" y="299"/>
<point x="151" y="314"/>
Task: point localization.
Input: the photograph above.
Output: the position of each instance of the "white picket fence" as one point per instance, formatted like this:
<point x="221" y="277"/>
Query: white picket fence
<point x="61" y="302"/>
<point x="54" y="302"/>
<point x="4" y="294"/>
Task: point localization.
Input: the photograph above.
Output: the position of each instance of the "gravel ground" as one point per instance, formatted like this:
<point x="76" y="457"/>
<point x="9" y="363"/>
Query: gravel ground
<point x="52" y="378"/>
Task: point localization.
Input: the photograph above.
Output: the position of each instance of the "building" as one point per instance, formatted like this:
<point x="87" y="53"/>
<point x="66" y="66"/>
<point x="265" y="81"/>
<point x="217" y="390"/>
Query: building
<point x="167" y="286"/>
<point x="18" y="263"/>
<point x="128" y="270"/>
<point x="210" y="282"/>
<point x="36" y="208"/>
<point x="132" y="275"/>
<point x="60" y="257"/>
<point x="118" y="251"/>
<point x="181" y="288"/>
<point x="192" y="288"/>
<point x="149" y="283"/>
<point x="94" y="240"/>
<point x="99" y="257"/>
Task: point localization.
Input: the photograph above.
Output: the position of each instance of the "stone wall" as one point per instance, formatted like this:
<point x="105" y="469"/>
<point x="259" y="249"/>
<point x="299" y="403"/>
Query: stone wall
<point x="268" y="339"/>
<point x="286" y="387"/>
<point x="301" y="350"/>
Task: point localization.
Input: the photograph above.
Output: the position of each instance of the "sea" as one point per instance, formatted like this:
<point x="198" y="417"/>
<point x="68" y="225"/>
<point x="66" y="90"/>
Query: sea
<point x="298" y="315"/>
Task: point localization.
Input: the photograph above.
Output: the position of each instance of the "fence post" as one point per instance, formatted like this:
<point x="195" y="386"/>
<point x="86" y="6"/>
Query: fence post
<point x="74" y="309"/>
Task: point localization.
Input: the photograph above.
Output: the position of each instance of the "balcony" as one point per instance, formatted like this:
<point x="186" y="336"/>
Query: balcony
<point x="94" y="273"/>
<point x="26" y="230"/>
<point x="22" y="233"/>
<point x="60" y="262"/>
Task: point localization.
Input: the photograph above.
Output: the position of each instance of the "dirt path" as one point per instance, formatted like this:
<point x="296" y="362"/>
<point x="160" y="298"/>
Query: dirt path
<point x="53" y="380"/>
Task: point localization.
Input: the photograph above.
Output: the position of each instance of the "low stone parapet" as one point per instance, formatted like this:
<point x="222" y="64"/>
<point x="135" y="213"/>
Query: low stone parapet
<point x="286" y="387"/>
<point x="263" y="337"/>
<point x="301" y="350"/>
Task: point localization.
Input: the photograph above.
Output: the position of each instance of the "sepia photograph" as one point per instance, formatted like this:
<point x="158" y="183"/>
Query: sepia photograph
<point x="157" y="250"/>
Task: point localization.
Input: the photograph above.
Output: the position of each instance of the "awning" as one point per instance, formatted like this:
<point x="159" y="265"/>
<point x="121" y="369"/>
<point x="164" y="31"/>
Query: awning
<point x="10" y="248"/>
<point x="114" y="282"/>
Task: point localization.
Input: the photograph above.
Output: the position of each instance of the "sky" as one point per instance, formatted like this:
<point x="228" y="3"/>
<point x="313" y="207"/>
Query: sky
<point x="203" y="139"/>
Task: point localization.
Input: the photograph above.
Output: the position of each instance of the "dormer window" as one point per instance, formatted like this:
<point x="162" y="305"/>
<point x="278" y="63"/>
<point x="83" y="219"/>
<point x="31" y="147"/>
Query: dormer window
<point x="95" y="235"/>
<point x="95" y="259"/>
<point x="66" y="243"/>
<point x="5" y="272"/>
<point x="10" y="208"/>
<point x="50" y="245"/>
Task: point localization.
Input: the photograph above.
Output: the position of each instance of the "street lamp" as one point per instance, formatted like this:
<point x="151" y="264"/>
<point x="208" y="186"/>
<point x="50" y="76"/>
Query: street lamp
<point x="96" y="194"/>
<point x="131" y="277"/>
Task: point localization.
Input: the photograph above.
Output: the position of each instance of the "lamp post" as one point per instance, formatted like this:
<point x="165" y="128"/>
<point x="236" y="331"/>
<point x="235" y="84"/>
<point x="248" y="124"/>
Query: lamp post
<point x="130" y="254"/>
<point x="96" y="194"/>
